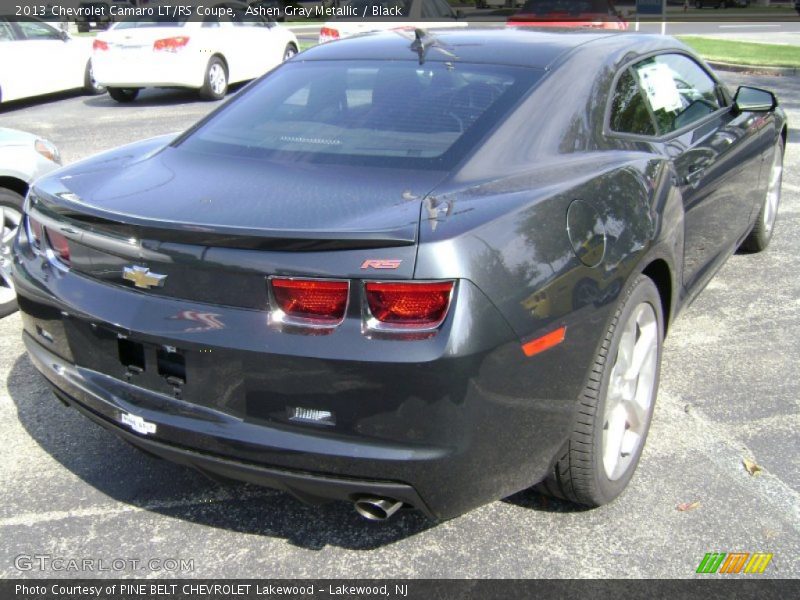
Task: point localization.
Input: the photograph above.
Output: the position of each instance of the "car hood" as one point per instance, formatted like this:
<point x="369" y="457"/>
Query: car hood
<point x="171" y="189"/>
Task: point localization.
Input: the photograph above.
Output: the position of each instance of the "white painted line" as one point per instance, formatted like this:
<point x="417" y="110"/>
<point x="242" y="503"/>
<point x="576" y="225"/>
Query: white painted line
<point x="748" y="26"/>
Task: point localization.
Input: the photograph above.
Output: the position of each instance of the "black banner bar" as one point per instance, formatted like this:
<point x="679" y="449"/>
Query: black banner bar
<point x="727" y="588"/>
<point x="586" y="12"/>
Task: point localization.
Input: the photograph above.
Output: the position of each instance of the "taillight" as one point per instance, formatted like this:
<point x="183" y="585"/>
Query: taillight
<point x="172" y="44"/>
<point x="311" y="301"/>
<point x="327" y="34"/>
<point x="99" y="45"/>
<point x="59" y="244"/>
<point x="409" y="305"/>
<point x="35" y="233"/>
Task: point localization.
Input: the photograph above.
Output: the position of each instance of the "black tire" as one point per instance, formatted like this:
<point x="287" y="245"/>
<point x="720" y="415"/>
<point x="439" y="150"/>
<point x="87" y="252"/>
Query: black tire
<point x="90" y="86"/>
<point x="123" y="95"/>
<point x="759" y="237"/>
<point x="289" y="51"/>
<point x="10" y="200"/>
<point x="579" y="474"/>
<point x="211" y="91"/>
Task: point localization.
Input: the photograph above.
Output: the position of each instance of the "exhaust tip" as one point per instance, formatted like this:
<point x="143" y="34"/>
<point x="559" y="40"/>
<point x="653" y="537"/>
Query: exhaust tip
<point x="377" y="509"/>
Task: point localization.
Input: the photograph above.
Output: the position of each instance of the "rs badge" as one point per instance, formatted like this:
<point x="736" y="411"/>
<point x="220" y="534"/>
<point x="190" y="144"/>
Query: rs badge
<point x="374" y="263"/>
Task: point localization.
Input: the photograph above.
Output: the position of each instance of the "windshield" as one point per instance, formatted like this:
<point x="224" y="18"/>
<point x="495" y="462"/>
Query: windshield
<point x="396" y="113"/>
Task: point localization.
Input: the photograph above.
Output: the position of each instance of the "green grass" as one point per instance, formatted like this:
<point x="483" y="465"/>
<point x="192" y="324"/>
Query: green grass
<point x="744" y="53"/>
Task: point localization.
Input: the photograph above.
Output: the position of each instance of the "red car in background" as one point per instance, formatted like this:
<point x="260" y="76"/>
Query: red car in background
<point x="599" y="14"/>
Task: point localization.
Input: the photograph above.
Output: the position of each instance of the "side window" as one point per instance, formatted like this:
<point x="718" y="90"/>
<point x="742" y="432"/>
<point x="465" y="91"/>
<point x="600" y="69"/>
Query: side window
<point x="6" y="33"/>
<point x="629" y="113"/>
<point x="34" y="30"/>
<point x="677" y="90"/>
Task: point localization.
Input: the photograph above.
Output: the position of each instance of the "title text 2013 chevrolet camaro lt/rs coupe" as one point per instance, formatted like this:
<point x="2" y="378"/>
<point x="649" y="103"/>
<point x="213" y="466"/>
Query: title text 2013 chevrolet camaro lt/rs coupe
<point x="411" y="268"/>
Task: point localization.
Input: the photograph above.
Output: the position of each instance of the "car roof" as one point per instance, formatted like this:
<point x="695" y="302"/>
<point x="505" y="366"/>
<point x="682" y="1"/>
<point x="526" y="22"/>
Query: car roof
<point x="514" y="46"/>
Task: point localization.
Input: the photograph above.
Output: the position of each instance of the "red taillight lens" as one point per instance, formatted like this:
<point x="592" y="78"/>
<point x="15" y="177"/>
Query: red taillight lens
<point x="59" y="244"/>
<point x="311" y="300"/>
<point x="172" y="44"/>
<point x="326" y="34"/>
<point x="99" y="45"/>
<point x="409" y="305"/>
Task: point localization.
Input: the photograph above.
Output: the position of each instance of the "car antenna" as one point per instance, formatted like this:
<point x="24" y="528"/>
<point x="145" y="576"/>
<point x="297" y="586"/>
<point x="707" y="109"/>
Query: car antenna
<point x="422" y="41"/>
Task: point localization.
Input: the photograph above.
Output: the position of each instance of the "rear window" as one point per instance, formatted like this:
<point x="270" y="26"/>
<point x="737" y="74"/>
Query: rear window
<point x="395" y="113"/>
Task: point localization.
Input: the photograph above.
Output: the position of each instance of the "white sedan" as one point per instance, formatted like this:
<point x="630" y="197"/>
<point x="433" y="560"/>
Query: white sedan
<point x="36" y="58"/>
<point x="23" y="158"/>
<point x="207" y="56"/>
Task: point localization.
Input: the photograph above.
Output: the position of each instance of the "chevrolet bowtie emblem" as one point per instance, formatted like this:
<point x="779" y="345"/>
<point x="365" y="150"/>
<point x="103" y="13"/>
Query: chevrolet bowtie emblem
<point x="142" y="277"/>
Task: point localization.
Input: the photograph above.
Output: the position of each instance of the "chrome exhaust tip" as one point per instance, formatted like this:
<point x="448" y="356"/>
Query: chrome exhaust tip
<point x="377" y="509"/>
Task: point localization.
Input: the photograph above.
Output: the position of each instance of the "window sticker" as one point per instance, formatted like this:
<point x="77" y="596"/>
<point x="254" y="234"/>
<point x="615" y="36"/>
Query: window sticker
<point x="658" y="84"/>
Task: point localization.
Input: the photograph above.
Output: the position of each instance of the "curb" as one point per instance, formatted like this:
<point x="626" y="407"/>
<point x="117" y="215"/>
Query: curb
<point x="736" y="68"/>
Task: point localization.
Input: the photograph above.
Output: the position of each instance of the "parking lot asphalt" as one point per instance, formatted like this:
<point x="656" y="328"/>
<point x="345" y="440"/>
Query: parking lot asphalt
<point x="728" y="392"/>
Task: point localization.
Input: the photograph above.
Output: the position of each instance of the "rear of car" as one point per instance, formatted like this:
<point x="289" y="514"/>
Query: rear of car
<point x="246" y="299"/>
<point x="137" y="54"/>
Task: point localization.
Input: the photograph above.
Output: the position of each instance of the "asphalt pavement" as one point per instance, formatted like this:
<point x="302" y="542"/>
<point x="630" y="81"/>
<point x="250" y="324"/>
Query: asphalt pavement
<point x="70" y="489"/>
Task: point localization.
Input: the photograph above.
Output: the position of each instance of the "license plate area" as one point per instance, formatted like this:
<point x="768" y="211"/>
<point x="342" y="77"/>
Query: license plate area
<point x="156" y="367"/>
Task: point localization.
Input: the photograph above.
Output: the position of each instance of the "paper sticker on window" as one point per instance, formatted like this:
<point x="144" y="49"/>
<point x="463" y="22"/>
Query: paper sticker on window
<point x="658" y="84"/>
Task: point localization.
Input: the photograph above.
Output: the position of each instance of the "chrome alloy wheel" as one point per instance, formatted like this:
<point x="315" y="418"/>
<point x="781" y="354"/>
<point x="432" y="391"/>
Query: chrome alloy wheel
<point x="631" y="388"/>
<point x="10" y="219"/>
<point x="289" y="52"/>
<point x="217" y="79"/>
<point x="773" y="190"/>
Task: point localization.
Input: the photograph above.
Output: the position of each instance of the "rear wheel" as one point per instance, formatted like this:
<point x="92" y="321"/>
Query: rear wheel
<point x="215" y="85"/>
<point x="123" y="95"/>
<point x="616" y="406"/>
<point x="289" y="51"/>
<point x="90" y="85"/>
<point x="10" y="219"/>
<point x="759" y="237"/>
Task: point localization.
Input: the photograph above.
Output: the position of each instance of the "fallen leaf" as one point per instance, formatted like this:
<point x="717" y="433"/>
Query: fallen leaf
<point x="751" y="467"/>
<point x="684" y="506"/>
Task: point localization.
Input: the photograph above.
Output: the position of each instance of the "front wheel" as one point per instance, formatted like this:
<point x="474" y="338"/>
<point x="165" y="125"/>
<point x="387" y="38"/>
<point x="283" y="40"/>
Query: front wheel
<point x="289" y="51"/>
<point x="215" y="85"/>
<point x="616" y="405"/>
<point x="123" y="95"/>
<point x="759" y="237"/>
<point x="90" y="85"/>
<point x="10" y="219"/>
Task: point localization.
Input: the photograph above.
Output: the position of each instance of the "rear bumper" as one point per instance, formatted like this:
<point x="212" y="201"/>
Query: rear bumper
<point x="149" y="69"/>
<point x="444" y="425"/>
<point x="71" y="387"/>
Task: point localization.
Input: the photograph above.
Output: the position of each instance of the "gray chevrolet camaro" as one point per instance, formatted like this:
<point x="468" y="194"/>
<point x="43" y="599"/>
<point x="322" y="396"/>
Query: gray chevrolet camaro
<point x="412" y="268"/>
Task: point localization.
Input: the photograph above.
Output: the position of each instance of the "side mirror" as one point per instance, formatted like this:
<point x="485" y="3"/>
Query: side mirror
<point x="752" y="99"/>
<point x="64" y="36"/>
